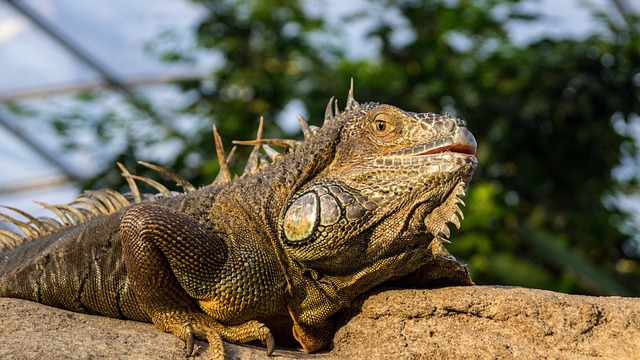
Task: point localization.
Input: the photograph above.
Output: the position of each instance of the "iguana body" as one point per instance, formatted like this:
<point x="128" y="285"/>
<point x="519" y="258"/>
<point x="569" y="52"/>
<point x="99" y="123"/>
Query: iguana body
<point x="274" y="253"/>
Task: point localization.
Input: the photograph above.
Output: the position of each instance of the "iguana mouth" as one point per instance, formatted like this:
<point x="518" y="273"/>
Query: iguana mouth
<point x="464" y="149"/>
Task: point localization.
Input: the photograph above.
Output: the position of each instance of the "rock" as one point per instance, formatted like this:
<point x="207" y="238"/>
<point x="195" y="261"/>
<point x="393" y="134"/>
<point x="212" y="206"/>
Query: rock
<point x="30" y="330"/>
<point x="455" y="322"/>
<point x="488" y="322"/>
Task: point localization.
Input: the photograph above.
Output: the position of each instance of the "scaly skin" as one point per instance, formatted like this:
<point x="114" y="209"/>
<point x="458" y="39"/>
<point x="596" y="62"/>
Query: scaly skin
<point x="274" y="253"/>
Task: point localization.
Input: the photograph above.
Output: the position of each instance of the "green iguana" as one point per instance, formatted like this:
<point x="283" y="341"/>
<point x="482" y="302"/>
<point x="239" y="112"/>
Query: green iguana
<point x="275" y="253"/>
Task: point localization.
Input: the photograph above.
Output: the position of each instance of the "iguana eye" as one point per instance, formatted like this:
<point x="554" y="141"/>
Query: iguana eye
<point x="382" y="124"/>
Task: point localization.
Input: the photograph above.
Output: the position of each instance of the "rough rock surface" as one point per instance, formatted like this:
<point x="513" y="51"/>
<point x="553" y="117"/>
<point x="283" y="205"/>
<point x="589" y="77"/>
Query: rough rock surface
<point x="485" y="322"/>
<point x="460" y="322"/>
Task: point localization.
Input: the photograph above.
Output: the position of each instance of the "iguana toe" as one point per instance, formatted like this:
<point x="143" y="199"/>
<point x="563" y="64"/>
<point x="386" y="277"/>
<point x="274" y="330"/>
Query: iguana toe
<point x="216" y="346"/>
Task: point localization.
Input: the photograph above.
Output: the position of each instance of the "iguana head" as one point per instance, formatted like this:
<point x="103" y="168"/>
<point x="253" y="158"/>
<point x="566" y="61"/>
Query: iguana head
<point x="392" y="186"/>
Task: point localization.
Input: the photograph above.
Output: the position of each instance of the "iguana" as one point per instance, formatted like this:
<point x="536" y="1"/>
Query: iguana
<point x="274" y="253"/>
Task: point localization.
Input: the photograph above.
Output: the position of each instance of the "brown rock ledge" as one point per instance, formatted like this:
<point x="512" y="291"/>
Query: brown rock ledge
<point x="476" y="322"/>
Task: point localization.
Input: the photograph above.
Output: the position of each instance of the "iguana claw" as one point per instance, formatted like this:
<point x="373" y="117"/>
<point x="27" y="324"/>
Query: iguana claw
<point x="270" y="342"/>
<point x="188" y="339"/>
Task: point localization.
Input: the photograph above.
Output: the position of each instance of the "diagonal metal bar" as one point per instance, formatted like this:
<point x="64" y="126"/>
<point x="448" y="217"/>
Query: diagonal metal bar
<point x="68" y="45"/>
<point x="92" y="63"/>
<point x="38" y="149"/>
<point x="43" y="25"/>
<point x="623" y="8"/>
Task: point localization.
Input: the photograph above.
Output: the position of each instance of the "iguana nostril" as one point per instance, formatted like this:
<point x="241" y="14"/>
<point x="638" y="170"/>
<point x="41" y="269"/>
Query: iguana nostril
<point x="450" y="125"/>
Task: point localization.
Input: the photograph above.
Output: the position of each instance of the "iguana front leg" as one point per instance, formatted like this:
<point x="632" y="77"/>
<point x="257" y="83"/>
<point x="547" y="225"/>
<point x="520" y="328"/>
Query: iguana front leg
<point x="172" y="264"/>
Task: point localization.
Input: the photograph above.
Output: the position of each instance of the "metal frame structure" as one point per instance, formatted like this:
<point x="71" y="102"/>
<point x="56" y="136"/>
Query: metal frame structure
<point x="106" y="78"/>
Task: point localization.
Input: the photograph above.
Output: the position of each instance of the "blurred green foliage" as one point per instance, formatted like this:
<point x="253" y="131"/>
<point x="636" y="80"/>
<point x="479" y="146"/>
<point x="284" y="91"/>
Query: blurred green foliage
<point x="543" y="115"/>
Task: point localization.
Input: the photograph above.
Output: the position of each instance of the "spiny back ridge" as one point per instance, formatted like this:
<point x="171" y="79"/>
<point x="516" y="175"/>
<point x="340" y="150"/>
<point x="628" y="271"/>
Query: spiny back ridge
<point x="94" y="203"/>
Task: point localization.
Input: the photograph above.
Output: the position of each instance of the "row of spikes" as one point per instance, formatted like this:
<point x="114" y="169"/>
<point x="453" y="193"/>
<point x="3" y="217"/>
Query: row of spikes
<point x="448" y="212"/>
<point x="93" y="203"/>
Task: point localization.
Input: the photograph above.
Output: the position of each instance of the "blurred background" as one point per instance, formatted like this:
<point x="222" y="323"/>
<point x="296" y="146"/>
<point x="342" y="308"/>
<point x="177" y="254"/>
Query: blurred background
<point x="551" y="90"/>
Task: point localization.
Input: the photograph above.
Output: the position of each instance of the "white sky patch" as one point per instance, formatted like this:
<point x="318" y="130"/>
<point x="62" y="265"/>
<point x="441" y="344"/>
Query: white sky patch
<point x="567" y="19"/>
<point x="11" y="27"/>
<point x="287" y="120"/>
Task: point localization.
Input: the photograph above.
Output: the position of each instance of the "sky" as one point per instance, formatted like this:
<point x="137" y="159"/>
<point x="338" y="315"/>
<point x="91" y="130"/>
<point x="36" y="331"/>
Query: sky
<point x="118" y="35"/>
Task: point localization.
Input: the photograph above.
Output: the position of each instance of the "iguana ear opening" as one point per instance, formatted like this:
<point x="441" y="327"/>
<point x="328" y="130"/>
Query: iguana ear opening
<point x="307" y="218"/>
<point x="301" y="218"/>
